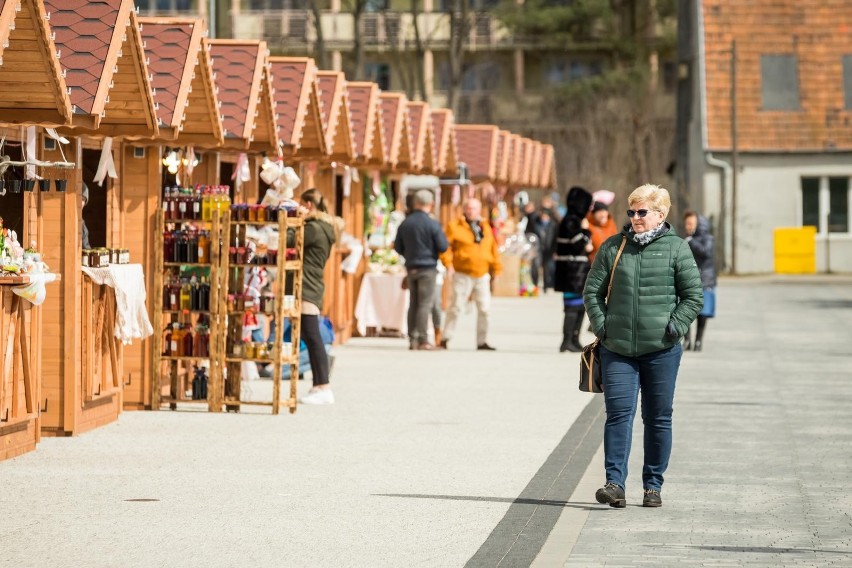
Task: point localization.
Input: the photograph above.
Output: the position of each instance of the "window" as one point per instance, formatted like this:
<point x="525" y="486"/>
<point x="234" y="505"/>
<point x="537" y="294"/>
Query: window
<point x="847" y="81"/>
<point x="825" y="204"/>
<point x="153" y="7"/>
<point x="810" y="202"/>
<point x="838" y="205"/>
<point x="378" y="73"/>
<point x="779" y="77"/>
<point x="559" y="72"/>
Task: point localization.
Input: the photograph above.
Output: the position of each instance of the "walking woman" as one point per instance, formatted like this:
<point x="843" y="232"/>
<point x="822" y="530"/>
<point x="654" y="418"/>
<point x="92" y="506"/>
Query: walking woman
<point x="656" y="295"/>
<point x="320" y="236"/>
<point x="701" y="242"/>
<point x="572" y="246"/>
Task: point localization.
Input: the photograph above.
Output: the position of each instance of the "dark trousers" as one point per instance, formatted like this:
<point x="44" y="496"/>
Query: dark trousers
<point x="421" y="290"/>
<point x="654" y="374"/>
<point x="548" y="268"/>
<point x="316" y="350"/>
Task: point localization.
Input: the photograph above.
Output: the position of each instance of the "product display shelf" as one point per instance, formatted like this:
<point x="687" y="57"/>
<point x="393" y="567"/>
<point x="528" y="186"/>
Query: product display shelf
<point x="235" y="278"/>
<point x="178" y="370"/>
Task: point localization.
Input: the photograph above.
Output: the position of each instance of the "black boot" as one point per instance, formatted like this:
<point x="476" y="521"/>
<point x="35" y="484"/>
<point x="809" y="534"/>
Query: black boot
<point x="575" y="333"/>
<point x="568" y="325"/>
<point x="612" y="494"/>
<point x="699" y="332"/>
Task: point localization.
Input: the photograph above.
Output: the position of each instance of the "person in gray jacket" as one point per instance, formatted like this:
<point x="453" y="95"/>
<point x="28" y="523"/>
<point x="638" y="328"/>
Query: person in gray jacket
<point x="701" y="242"/>
<point x="420" y="241"/>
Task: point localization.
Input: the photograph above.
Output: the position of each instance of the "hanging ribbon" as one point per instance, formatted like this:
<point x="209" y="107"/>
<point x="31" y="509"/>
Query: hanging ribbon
<point x="190" y="161"/>
<point x="377" y="182"/>
<point x="242" y="172"/>
<point x="106" y="166"/>
<point x="30" y="171"/>
<point x="347" y="181"/>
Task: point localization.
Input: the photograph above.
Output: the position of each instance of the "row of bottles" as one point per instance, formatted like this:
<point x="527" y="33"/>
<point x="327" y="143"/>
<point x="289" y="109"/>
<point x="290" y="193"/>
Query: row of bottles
<point x="190" y="246"/>
<point x="181" y="342"/>
<point x="196" y="203"/>
<point x="186" y="294"/>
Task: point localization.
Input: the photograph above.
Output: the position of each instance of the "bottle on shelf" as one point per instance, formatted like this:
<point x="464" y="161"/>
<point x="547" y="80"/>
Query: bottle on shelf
<point x="204" y="295"/>
<point x="167" y="340"/>
<point x="204" y="247"/>
<point x="202" y="341"/>
<point x="188" y="341"/>
<point x="176" y="341"/>
<point x="185" y="295"/>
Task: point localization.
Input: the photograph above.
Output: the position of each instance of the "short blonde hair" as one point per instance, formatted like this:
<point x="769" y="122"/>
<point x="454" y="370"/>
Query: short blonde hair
<point x="656" y="196"/>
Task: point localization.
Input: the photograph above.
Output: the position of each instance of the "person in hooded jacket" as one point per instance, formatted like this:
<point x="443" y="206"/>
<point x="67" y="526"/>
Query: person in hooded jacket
<point x="320" y="236"/>
<point x="701" y="242"/>
<point x="656" y="295"/>
<point x="602" y="226"/>
<point x="573" y="244"/>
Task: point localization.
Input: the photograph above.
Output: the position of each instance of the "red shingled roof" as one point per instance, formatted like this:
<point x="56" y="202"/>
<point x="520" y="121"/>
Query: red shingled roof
<point x="478" y="149"/>
<point x="234" y="66"/>
<point x="422" y="136"/>
<point x="504" y="154"/>
<point x="817" y="33"/>
<point x="397" y="128"/>
<point x="167" y="49"/>
<point x="446" y="153"/>
<point x="335" y="104"/>
<point x="548" y="167"/>
<point x="300" y="123"/>
<point x="84" y="31"/>
<point x="367" y="126"/>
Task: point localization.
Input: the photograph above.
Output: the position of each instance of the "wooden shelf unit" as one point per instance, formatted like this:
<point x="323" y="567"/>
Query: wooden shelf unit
<point x="235" y="275"/>
<point x="178" y="369"/>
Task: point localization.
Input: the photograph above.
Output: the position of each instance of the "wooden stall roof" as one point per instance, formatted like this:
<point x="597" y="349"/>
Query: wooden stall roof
<point x="535" y="164"/>
<point x="242" y="84"/>
<point x="28" y="56"/>
<point x="100" y="48"/>
<point x="397" y="125"/>
<point x="446" y="149"/>
<point x="504" y="154"/>
<point x="517" y="160"/>
<point x="478" y="149"/>
<point x="368" y="132"/>
<point x="548" y="167"/>
<point x="422" y="136"/>
<point x="297" y="103"/>
<point x="336" y="112"/>
<point x="526" y="161"/>
<point x="182" y="77"/>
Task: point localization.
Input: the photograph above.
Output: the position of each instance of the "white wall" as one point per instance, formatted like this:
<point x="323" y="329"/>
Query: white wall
<point x="769" y="196"/>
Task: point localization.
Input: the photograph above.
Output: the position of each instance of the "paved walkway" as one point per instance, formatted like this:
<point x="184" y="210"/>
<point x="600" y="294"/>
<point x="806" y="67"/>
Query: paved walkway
<point x="484" y="459"/>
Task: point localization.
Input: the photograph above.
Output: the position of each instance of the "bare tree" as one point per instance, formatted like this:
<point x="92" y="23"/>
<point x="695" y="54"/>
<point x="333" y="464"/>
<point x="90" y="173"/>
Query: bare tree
<point x="419" y="51"/>
<point x="319" y="46"/>
<point x="459" y="37"/>
<point x="356" y="70"/>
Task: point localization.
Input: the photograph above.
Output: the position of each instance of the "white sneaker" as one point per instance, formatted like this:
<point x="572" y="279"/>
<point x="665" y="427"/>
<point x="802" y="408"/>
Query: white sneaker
<point x="319" y="396"/>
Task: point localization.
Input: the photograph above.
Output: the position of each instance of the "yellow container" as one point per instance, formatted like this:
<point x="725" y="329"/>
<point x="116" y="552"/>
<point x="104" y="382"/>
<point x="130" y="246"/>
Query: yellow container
<point x="795" y="250"/>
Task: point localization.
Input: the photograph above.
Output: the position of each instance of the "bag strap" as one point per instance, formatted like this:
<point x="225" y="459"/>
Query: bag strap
<point x="614" y="264"/>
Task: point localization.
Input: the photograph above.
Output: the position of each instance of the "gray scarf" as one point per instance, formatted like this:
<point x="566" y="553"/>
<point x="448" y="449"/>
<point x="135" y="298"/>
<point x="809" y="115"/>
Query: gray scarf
<point x="648" y="236"/>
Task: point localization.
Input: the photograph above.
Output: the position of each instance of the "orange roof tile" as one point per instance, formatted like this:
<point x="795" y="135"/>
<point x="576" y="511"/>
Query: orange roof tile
<point x="535" y="164"/>
<point x="368" y="137"/>
<point x="26" y="45"/>
<point x="504" y="153"/>
<point x="335" y="104"/>
<point x="297" y="103"/>
<point x="397" y="130"/>
<point x="817" y="33"/>
<point x="167" y="46"/>
<point x="101" y="48"/>
<point x="478" y="149"/>
<point x="548" y="167"/>
<point x="446" y="150"/>
<point x="422" y="136"/>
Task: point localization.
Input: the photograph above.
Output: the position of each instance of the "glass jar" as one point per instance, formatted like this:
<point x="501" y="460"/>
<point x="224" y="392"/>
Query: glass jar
<point x="241" y="255"/>
<point x="272" y="213"/>
<point x="252" y="213"/>
<point x="261" y="213"/>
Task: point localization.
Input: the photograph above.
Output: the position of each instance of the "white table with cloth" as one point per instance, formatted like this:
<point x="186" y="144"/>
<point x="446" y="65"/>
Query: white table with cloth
<point x="128" y="281"/>
<point x="382" y="303"/>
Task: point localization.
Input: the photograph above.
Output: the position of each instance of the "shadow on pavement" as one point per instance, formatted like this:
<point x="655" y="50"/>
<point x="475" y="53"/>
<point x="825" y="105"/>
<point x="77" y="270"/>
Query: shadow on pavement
<point x="769" y="549"/>
<point x="518" y="501"/>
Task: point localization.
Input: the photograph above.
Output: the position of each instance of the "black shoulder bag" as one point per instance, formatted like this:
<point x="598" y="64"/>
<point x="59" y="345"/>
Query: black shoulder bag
<point x="591" y="377"/>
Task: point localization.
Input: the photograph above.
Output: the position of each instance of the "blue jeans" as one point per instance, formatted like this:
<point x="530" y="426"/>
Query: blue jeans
<point x="655" y="375"/>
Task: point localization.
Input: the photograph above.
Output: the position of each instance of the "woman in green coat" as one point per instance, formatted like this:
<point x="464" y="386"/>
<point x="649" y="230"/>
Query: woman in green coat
<point x="656" y="295"/>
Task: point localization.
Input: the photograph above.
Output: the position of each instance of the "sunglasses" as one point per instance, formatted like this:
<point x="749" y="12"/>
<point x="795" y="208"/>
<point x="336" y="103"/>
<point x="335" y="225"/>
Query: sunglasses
<point x="641" y="212"/>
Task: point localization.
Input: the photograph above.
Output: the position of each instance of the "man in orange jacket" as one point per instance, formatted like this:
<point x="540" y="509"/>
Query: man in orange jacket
<point x="472" y="259"/>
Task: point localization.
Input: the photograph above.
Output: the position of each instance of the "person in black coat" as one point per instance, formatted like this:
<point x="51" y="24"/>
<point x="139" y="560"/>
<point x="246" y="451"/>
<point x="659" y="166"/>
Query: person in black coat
<point x="701" y="242"/>
<point x="573" y="243"/>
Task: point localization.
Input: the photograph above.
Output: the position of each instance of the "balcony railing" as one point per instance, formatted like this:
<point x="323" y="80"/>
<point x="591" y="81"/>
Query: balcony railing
<point x="379" y="30"/>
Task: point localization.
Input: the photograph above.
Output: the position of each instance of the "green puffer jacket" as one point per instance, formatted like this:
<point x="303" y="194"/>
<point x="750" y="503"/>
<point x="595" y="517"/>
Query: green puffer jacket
<point x="654" y="284"/>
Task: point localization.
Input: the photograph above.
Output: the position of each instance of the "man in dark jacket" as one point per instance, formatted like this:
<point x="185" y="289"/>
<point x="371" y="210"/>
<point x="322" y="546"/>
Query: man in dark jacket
<point x="573" y="244"/>
<point x="701" y="242"/>
<point x="420" y="241"/>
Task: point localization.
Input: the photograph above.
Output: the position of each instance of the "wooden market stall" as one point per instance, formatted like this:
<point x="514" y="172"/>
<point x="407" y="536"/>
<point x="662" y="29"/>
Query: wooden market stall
<point x="397" y="125"/>
<point x="101" y="49"/>
<point x="548" y="167"/>
<point x="188" y="114"/>
<point x="35" y="95"/>
<point x="422" y="138"/>
<point x="335" y="180"/>
<point x="478" y="146"/>
<point x="243" y="80"/>
<point x="446" y="160"/>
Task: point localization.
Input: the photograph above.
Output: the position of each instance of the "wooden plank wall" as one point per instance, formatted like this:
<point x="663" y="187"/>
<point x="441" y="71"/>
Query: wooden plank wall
<point x="140" y="198"/>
